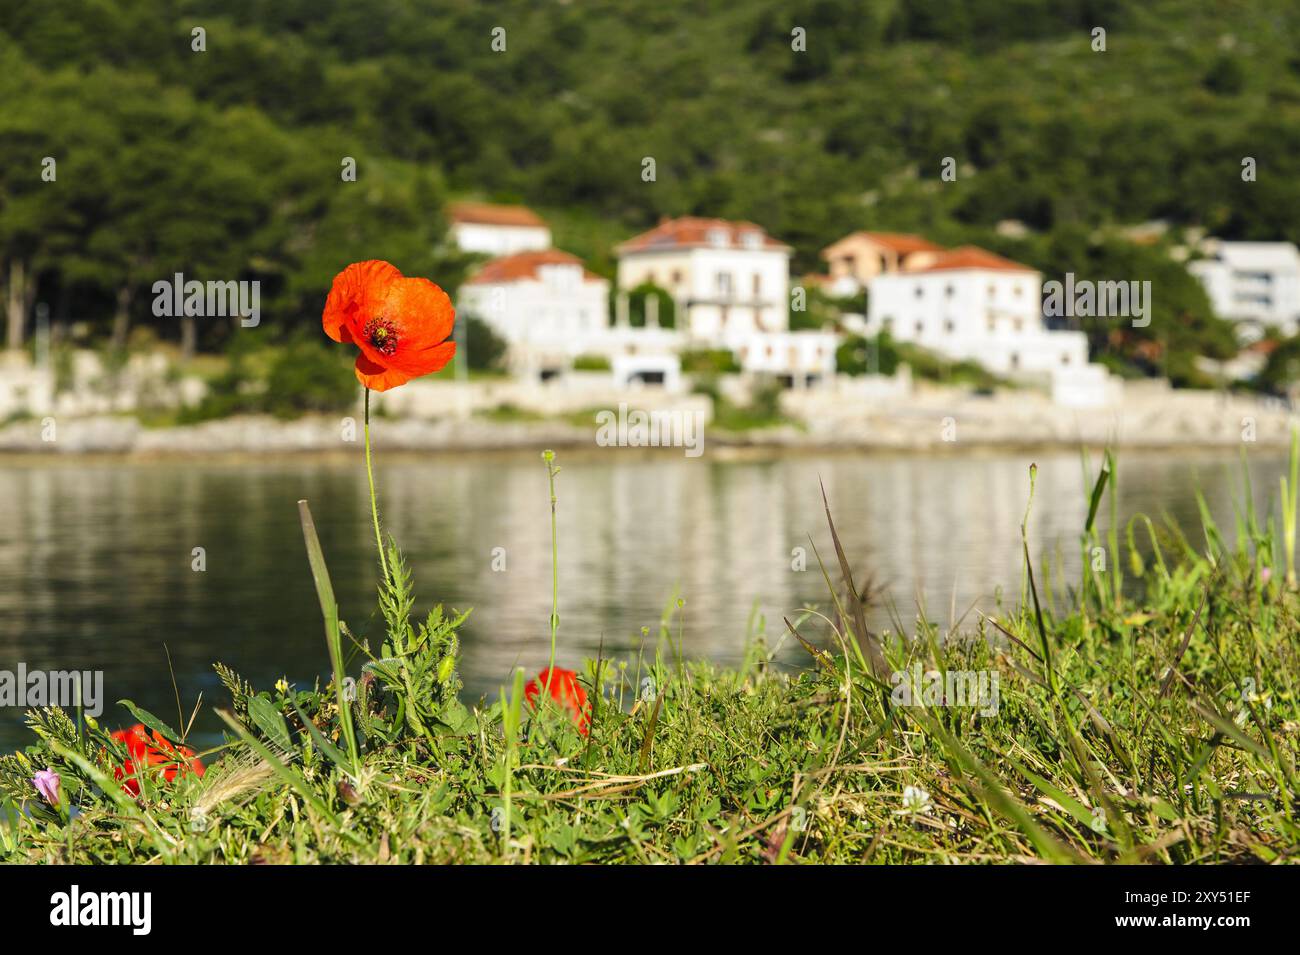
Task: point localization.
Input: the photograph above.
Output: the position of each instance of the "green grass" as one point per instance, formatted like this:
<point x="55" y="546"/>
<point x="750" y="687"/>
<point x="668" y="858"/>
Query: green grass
<point x="511" y="414"/>
<point x="1147" y="713"/>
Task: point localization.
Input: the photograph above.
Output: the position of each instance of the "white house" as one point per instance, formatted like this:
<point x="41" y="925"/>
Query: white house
<point x="550" y="310"/>
<point x="1255" y="283"/>
<point x="970" y="304"/>
<point x="497" y="230"/>
<point x="545" y="305"/>
<point x="730" y="284"/>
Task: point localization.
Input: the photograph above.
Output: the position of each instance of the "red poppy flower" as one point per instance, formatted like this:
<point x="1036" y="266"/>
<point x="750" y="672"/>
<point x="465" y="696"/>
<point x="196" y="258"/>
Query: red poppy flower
<point x="400" y="324"/>
<point x="147" y="751"/>
<point x="566" y="691"/>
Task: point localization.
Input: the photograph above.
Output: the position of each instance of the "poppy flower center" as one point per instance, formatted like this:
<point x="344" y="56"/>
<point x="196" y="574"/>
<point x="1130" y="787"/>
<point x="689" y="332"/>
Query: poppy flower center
<point x="381" y="335"/>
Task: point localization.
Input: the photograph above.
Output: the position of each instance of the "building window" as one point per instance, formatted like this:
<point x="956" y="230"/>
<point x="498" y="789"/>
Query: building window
<point x="920" y="327"/>
<point x="1065" y="359"/>
<point x="1020" y="290"/>
<point x="949" y="326"/>
<point x="1015" y="360"/>
<point x="920" y="291"/>
<point x="677" y="277"/>
<point x="752" y="240"/>
<point x="718" y="237"/>
<point x="758" y="285"/>
<point x="950" y="291"/>
<point x="992" y="290"/>
<point x="887" y="325"/>
<point x="723" y="282"/>
<point x="1020" y="325"/>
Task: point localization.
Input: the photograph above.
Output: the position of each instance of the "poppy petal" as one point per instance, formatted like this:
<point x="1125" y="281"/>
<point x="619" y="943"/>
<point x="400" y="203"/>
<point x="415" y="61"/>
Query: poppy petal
<point x="422" y="311"/>
<point x="421" y="317"/>
<point x="357" y="291"/>
<point x="378" y="377"/>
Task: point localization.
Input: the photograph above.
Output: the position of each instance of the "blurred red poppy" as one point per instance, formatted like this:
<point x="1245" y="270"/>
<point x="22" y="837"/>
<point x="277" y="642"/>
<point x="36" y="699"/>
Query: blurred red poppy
<point x="147" y="751"/>
<point x="400" y="324"/>
<point x="566" y="691"/>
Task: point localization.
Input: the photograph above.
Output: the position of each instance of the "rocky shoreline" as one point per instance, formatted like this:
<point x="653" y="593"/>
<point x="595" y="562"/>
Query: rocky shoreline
<point x="954" y="427"/>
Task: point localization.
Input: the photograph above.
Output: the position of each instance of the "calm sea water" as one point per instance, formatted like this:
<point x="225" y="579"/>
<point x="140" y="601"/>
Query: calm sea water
<point x="96" y="556"/>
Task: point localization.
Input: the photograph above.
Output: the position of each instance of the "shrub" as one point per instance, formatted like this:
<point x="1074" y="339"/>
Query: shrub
<point x="636" y="306"/>
<point x="859" y="356"/>
<point x="485" y="350"/>
<point x="712" y="361"/>
<point x="302" y="376"/>
<point x="308" y="376"/>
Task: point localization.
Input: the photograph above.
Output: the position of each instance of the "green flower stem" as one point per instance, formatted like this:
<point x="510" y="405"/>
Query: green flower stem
<point x="551" y="470"/>
<point x="374" y="507"/>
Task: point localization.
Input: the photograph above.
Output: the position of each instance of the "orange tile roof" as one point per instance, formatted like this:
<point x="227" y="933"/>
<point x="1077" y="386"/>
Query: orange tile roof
<point x="1265" y="346"/>
<point x="486" y="213"/>
<point x="973" y="257"/>
<point x="524" y="265"/>
<point x="901" y="243"/>
<point x="693" y="232"/>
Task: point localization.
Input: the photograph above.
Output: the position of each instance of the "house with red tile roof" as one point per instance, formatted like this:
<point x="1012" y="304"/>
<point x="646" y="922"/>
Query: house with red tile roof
<point x="730" y="284"/>
<point x="970" y="304"/>
<point x="497" y="230"/>
<point x="550" y="309"/>
<point x="859" y="257"/>
<point x="544" y="304"/>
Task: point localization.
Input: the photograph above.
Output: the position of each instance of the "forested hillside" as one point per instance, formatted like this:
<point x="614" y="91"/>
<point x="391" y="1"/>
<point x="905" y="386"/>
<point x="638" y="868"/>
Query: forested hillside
<point x="228" y="160"/>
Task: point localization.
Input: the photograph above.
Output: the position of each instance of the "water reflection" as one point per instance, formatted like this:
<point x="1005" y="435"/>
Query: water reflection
<point x="96" y="556"/>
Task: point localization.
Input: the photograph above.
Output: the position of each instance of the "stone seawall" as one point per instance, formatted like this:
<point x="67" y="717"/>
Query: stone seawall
<point x="952" y="424"/>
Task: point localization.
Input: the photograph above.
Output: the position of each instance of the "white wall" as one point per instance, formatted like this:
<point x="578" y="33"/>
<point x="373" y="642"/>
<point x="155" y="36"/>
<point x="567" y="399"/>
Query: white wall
<point x="694" y="275"/>
<point x="992" y="317"/>
<point x="498" y="240"/>
<point x="786" y="353"/>
<point x="1252" y="281"/>
<point x="954" y="305"/>
<point x="560" y="309"/>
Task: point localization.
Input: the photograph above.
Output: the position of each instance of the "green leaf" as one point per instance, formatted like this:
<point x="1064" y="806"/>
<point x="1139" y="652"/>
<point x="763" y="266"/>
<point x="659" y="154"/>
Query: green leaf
<point x="457" y="718"/>
<point x="149" y="720"/>
<point x="336" y="755"/>
<point x="267" y="718"/>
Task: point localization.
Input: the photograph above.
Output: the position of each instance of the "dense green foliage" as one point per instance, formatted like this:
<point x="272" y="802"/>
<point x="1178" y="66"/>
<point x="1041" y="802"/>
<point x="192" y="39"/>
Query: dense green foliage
<point x="638" y="307"/>
<point x="304" y="375"/>
<point x="485" y="350"/>
<point x="228" y="161"/>
<point x="881" y="355"/>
